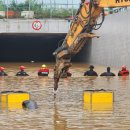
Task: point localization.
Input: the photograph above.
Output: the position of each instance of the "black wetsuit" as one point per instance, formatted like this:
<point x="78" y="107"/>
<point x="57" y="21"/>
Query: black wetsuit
<point x="2" y="73"/>
<point x="90" y="73"/>
<point x="107" y="74"/>
<point x="22" y="73"/>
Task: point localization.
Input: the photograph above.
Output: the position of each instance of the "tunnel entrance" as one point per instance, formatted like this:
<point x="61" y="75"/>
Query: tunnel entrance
<point x="33" y="47"/>
<point x="28" y="47"/>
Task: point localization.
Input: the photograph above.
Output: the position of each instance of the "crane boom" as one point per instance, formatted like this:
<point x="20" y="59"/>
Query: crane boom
<point x="114" y="3"/>
<point x="85" y="20"/>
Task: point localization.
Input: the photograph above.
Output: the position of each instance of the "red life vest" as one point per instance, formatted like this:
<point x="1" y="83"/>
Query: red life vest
<point x="44" y="70"/>
<point x="124" y="72"/>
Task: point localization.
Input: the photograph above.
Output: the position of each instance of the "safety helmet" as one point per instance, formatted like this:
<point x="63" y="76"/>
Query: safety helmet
<point x="43" y="66"/>
<point x="22" y="67"/>
<point x="2" y="68"/>
<point x="123" y="67"/>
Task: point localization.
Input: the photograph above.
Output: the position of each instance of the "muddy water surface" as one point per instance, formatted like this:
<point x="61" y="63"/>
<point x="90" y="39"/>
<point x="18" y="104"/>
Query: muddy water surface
<point x="66" y="111"/>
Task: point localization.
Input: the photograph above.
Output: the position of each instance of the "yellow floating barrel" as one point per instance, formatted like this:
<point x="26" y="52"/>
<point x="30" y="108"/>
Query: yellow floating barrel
<point x="13" y="100"/>
<point x="98" y="100"/>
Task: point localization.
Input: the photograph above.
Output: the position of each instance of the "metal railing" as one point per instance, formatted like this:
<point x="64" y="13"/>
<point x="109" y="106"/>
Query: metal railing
<point x="41" y="8"/>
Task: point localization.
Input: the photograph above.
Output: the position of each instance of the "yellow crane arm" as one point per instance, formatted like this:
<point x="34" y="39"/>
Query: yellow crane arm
<point x="81" y="20"/>
<point x="114" y="3"/>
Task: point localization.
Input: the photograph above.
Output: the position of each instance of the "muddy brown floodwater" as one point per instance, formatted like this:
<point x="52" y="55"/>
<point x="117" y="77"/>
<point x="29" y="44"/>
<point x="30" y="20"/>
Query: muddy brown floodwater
<point x="66" y="111"/>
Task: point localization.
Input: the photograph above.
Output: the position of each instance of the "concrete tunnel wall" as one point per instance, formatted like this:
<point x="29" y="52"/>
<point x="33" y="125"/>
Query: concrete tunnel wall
<point x="113" y="46"/>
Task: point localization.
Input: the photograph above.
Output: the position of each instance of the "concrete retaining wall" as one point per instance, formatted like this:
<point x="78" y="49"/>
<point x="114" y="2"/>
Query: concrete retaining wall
<point x="113" y="47"/>
<point x="25" y="26"/>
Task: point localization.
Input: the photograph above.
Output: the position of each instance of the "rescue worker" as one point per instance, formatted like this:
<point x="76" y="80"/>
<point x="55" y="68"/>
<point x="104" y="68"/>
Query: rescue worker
<point x="22" y="72"/>
<point x="123" y="72"/>
<point x="2" y="73"/>
<point x="67" y="74"/>
<point x="44" y="71"/>
<point x="90" y="72"/>
<point x="108" y="73"/>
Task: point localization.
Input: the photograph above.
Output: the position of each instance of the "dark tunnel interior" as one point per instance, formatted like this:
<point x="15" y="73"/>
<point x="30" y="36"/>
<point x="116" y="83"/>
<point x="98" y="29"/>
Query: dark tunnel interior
<point x="30" y="47"/>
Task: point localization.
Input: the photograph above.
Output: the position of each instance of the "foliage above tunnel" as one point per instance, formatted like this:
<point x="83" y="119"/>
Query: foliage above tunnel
<point x="40" y="9"/>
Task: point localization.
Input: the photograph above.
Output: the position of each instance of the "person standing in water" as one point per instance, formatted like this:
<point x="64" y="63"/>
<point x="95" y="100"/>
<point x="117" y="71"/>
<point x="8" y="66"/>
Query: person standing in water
<point x="123" y="72"/>
<point x="90" y="72"/>
<point x="108" y="73"/>
<point x="22" y="72"/>
<point x="2" y="73"/>
<point x="67" y="74"/>
<point x="43" y="71"/>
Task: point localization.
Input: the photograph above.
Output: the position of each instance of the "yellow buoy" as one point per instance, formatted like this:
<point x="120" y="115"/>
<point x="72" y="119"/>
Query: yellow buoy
<point x="96" y="100"/>
<point x="13" y="100"/>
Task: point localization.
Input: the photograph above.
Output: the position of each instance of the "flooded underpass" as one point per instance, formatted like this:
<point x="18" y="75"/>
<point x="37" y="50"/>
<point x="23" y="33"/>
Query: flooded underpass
<point x="67" y="111"/>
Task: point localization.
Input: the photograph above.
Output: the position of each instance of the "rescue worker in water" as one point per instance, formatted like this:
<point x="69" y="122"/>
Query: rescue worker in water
<point x="67" y="74"/>
<point x="123" y="72"/>
<point x="22" y="72"/>
<point x="108" y="73"/>
<point x="2" y="73"/>
<point x="90" y="72"/>
<point x="43" y="71"/>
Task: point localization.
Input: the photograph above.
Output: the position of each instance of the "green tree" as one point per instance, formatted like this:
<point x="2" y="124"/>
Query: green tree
<point x="13" y="6"/>
<point x="32" y="5"/>
<point x="40" y="11"/>
<point x="2" y="6"/>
